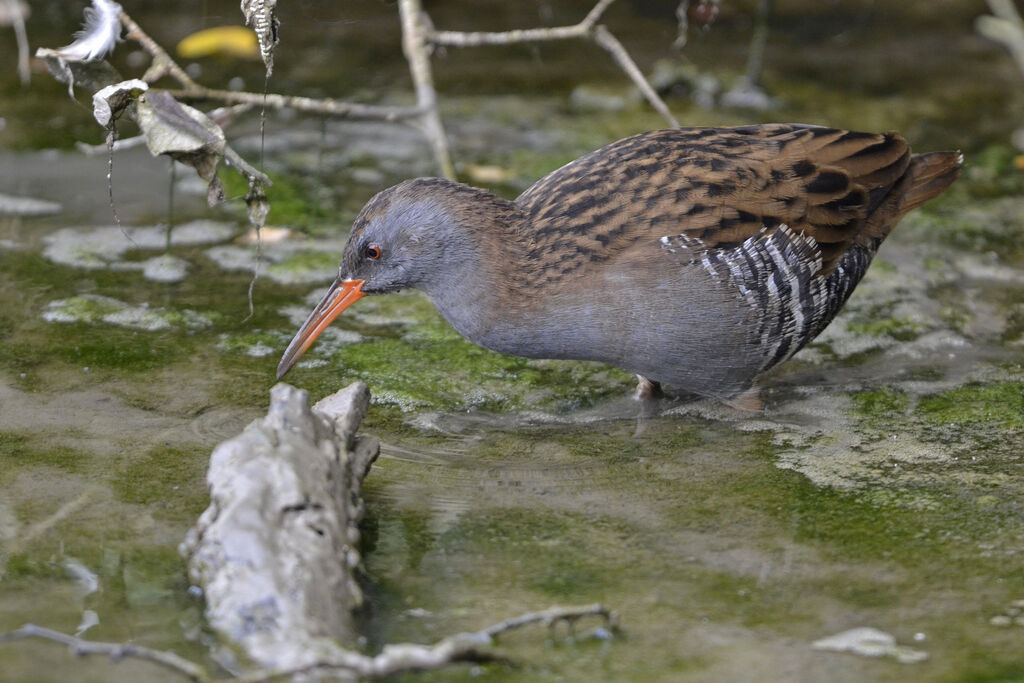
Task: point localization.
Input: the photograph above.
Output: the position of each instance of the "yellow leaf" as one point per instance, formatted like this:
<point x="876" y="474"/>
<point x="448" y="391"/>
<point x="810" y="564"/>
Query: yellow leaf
<point x="480" y="173"/>
<point x="226" y="41"/>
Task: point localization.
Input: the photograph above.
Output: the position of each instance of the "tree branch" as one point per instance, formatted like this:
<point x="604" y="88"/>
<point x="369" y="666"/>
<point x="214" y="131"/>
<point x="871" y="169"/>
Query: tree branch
<point x="463" y="647"/>
<point x="14" y="8"/>
<point x="477" y="38"/>
<point x="418" y="35"/>
<point x="116" y="651"/>
<point x="610" y="43"/>
<point x="394" y="659"/>
<point x="163" y="64"/>
<point x="325" y="106"/>
<point x="415" y="29"/>
<point x="587" y="28"/>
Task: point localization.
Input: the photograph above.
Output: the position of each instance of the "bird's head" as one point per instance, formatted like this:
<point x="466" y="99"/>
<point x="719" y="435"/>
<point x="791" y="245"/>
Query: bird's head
<point x="410" y="235"/>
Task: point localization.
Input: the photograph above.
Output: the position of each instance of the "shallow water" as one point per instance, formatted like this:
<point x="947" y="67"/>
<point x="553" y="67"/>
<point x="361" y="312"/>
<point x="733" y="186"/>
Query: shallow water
<point x="881" y="487"/>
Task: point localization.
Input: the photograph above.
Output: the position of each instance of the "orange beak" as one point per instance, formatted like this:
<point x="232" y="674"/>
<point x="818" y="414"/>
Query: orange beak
<point x="341" y="295"/>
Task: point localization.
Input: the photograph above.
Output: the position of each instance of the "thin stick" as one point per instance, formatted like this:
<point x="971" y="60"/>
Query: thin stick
<point x="529" y="35"/>
<point x="116" y="651"/>
<point x="328" y="106"/>
<point x="610" y="43"/>
<point x="418" y="36"/>
<point x="552" y="616"/>
<point x="587" y="28"/>
<point x="463" y="647"/>
<point x="415" y="29"/>
<point x="394" y="659"/>
<point x="163" y="64"/>
<point x="18" y="20"/>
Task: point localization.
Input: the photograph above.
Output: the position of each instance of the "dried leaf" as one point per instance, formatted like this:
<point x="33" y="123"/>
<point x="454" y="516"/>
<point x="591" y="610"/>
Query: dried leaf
<point x="184" y="134"/>
<point x="260" y="15"/>
<point x="108" y="103"/>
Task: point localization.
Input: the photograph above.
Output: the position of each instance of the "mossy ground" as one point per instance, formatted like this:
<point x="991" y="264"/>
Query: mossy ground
<point x="719" y="562"/>
<point x="686" y="528"/>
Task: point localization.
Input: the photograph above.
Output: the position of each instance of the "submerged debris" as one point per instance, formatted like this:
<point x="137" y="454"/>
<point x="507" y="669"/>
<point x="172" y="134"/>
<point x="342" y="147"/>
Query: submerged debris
<point x="870" y="642"/>
<point x="276" y="551"/>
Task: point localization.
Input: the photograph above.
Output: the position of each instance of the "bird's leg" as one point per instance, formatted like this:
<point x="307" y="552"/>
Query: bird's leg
<point x="748" y="402"/>
<point x="648" y="389"/>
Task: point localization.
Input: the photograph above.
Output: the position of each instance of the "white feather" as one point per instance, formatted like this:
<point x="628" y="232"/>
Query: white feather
<point x="102" y="30"/>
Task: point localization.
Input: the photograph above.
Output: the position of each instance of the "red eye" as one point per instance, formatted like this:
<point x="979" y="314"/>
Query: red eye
<point x="373" y="251"/>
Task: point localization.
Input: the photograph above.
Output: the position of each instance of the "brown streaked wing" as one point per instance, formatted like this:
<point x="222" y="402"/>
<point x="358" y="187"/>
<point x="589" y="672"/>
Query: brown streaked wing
<point x="721" y="185"/>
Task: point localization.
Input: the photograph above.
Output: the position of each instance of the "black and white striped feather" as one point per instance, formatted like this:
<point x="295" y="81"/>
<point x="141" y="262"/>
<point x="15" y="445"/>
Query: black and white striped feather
<point x="777" y="274"/>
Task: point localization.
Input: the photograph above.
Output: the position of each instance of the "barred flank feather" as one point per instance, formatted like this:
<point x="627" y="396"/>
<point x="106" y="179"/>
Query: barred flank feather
<point x="102" y="30"/>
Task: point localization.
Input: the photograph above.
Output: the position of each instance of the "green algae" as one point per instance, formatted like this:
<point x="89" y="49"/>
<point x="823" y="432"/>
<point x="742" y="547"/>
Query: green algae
<point x="1000" y="404"/>
<point x="22" y="449"/>
<point x="900" y="329"/>
<point x="881" y="403"/>
<point x="256" y="343"/>
<point x="879" y="550"/>
<point x="989" y="225"/>
<point x="293" y="201"/>
<point x="434" y="367"/>
<point x="305" y="261"/>
<point x="169" y="479"/>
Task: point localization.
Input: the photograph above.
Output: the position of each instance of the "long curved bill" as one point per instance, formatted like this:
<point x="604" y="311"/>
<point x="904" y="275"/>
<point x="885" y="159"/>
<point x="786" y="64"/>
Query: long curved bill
<point x="341" y="295"/>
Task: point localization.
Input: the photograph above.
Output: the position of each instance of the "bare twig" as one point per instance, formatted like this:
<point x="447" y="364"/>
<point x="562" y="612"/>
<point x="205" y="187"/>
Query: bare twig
<point x="587" y="28"/>
<point x="163" y="64"/>
<point x="15" y="10"/>
<point x="116" y="651"/>
<point x="610" y="43"/>
<point x="325" y="106"/>
<point x="463" y="647"/>
<point x="119" y="145"/>
<point x="554" y="615"/>
<point x="1004" y="25"/>
<point x="415" y="28"/>
<point x="393" y="659"/>
<point x="755" y="60"/>
<point x="418" y="36"/>
<point x="477" y="38"/>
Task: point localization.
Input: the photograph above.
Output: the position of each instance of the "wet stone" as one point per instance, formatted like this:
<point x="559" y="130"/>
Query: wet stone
<point x="97" y="309"/>
<point x="106" y="247"/>
<point x="27" y="206"/>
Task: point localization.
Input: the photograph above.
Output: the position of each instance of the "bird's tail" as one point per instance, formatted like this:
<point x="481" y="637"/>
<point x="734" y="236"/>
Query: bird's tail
<point x="928" y="175"/>
<point x="925" y="177"/>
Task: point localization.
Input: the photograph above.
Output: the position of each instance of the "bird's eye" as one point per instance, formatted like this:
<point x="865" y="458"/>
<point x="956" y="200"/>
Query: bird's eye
<point x="373" y="251"/>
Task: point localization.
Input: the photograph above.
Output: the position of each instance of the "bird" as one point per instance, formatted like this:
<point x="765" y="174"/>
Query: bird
<point x="697" y="258"/>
